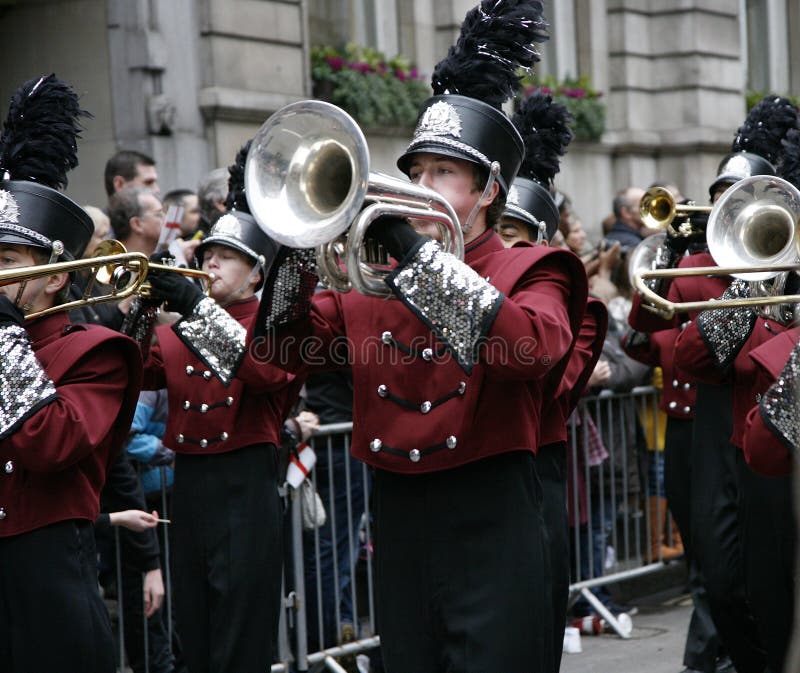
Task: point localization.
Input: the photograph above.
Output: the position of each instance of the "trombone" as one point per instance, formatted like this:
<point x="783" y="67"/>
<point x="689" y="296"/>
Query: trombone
<point x="129" y="271"/>
<point x="753" y="232"/>
<point x="113" y="275"/>
<point x="125" y="274"/>
<point x="658" y="209"/>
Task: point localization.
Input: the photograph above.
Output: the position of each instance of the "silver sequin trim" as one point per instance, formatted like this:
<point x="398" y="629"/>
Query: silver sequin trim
<point x="448" y="142"/>
<point x="454" y="301"/>
<point x="23" y="383"/>
<point x="779" y="405"/>
<point x="24" y="231"/>
<point x="139" y="322"/>
<point x="216" y="337"/>
<point x="295" y="282"/>
<point x="725" y="330"/>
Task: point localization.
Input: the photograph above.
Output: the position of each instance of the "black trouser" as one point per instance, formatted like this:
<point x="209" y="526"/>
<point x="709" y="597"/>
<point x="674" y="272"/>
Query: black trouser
<point x="551" y="464"/>
<point x="716" y="527"/>
<point x="51" y="615"/>
<point x="461" y="569"/>
<point x="703" y="646"/>
<point x="227" y="550"/>
<point x="768" y="542"/>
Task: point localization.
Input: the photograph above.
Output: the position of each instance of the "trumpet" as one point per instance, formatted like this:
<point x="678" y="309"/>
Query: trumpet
<point x="128" y="269"/>
<point x="753" y="232"/>
<point x="113" y="275"/>
<point x="308" y="178"/>
<point x="658" y="210"/>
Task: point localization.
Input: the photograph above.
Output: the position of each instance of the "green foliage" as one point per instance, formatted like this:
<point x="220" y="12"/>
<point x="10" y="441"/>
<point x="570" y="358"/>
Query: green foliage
<point x="375" y="90"/>
<point x="752" y="97"/>
<point x="580" y="98"/>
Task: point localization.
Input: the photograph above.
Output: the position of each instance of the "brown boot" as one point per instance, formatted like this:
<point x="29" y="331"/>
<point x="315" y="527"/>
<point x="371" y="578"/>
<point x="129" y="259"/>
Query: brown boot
<point x="677" y="541"/>
<point x="658" y="551"/>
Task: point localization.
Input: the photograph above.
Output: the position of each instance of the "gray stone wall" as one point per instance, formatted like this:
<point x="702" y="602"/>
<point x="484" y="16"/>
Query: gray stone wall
<point x="190" y="80"/>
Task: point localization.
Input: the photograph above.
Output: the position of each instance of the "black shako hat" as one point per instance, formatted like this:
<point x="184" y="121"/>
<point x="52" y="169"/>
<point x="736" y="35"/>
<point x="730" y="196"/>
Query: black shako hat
<point x="533" y="204"/>
<point x="465" y="128"/>
<point x="237" y="228"/>
<point x="757" y="148"/>
<point x="464" y="118"/>
<point x="544" y="127"/>
<point x="37" y="148"/>
<point x="35" y="215"/>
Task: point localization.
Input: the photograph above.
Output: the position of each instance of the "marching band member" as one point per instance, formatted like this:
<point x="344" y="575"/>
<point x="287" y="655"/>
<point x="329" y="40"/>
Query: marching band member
<point x="461" y="567"/>
<point x="717" y="345"/>
<point x="531" y="215"/>
<point x="714" y="511"/>
<point x="68" y="397"/>
<point x="225" y="419"/>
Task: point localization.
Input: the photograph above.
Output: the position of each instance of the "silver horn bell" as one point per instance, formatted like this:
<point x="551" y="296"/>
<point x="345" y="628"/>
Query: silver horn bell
<point x="307" y="180"/>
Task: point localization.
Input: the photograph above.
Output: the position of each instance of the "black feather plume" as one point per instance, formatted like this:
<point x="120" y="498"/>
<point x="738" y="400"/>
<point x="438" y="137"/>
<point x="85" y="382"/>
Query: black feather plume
<point x="237" y="199"/>
<point x="38" y="142"/>
<point x="790" y="166"/>
<point x="496" y="40"/>
<point x="765" y="127"/>
<point x="544" y="127"/>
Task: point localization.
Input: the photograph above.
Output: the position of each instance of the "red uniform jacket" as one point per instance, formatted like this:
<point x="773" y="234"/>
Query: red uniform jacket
<point x="54" y="465"/>
<point x="683" y="289"/>
<point x="764" y="452"/>
<point x="679" y="394"/>
<point x="205" y="416"/>
<point x="695" y="359"/>
<point x="588" y="347"/>
<point x="415" y="410"/>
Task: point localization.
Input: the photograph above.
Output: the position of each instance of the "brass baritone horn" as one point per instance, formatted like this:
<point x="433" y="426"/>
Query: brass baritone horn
<point x="658" y="209"/>
<point x="752" y="233"/>
<point x="307" y="180"/>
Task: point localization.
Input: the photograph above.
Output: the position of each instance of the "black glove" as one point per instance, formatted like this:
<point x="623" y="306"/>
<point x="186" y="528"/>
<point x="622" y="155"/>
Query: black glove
<point x="396" y="235"/>
<point x="180" y="294"/>
<point x="10" y="313"/>
<point x="162" y="456"/>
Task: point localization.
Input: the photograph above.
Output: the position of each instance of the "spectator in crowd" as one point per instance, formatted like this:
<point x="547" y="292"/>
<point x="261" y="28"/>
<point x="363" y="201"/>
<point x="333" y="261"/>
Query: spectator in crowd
<point x="212" y="193"/>
<point x="330" y="396"/>
<point x="129" y="168"/>
<point x="622" y="437"/>
<point x="628" y="225"/>
<point x="137" y="218"/>
<point x="102" y="228"/>
<point x="191" y="233"/>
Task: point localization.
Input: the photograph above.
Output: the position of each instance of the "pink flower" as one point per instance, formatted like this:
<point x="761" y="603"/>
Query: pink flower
<point x="399" y="74"/>
<point x="335" y="62"/>
<point x="361" y="67"/>
<point x="413" y="73"/>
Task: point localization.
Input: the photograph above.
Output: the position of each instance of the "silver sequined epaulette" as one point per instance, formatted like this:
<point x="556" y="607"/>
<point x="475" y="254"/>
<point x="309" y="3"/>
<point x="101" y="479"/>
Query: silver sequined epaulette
<point x="289" y="298"/>
<point x="24" y="385"/>
<point x="139" y="322"/>
<point x="215" y="336"/>
<point x="725" y="330"/>
<point x="779" y="405"/>
<point x="450" y="298"/>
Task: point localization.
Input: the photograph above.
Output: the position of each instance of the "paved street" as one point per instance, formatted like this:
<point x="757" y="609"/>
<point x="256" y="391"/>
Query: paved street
<point x="656" y="646"/>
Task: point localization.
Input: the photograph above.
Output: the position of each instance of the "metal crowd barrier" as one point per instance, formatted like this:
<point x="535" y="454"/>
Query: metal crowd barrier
<point x="328" y="612"/>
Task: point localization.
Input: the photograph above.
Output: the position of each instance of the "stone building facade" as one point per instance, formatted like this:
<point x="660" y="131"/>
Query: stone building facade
<point x="189" y="80"/>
